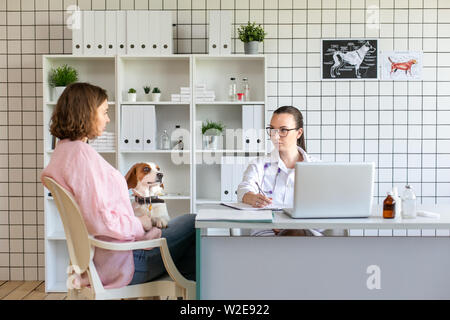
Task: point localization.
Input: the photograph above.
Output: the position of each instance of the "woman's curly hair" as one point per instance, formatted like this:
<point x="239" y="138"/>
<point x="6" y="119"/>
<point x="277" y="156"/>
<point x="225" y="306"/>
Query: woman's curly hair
<point x="75" y="113"/>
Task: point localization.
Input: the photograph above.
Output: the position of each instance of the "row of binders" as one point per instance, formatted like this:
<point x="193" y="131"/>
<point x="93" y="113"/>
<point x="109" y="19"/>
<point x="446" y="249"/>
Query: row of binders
<point x="135" y="32"/>
<point x="231" y="174"/>
<point x="138" y="128"/>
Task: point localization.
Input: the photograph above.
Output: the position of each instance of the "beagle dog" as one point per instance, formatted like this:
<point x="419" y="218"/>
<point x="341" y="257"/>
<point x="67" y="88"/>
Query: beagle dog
<point x="145" y="181"/>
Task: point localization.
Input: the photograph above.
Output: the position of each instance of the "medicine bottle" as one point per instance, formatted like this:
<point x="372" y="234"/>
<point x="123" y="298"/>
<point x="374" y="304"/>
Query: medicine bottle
<point x="389" y="207"/>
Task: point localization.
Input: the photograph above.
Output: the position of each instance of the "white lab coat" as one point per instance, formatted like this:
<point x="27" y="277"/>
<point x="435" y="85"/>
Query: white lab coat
<point x="275" y="179"/>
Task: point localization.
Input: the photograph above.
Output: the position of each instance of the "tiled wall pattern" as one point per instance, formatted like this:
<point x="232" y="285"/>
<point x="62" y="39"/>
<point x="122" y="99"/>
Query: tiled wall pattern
<point x="403" y="126"/>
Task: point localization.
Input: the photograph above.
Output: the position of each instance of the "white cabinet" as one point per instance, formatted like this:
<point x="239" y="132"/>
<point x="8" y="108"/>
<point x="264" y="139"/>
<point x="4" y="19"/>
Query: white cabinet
<point x="219" y="32"/>
<point x="192" y="176"/>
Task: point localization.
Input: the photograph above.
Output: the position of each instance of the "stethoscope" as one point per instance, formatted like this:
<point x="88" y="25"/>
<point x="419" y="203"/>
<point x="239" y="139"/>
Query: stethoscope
<point x="270" y="192"/>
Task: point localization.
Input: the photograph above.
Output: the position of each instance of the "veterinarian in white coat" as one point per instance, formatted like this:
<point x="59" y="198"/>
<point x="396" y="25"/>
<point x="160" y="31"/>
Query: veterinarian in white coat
<point x="269" y="180"/>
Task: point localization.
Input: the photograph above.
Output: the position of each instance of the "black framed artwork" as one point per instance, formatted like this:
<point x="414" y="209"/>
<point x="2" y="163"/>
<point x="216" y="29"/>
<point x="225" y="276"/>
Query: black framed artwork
<point x="349" y="59"/>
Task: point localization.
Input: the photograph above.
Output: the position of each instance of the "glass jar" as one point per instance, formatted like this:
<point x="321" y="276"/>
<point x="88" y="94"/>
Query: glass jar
<point x="409" y="209"/>
<point x="232" y="90"/>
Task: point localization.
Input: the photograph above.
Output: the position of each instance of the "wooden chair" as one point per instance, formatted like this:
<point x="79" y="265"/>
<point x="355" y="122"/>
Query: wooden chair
<point x="81" y="247"/>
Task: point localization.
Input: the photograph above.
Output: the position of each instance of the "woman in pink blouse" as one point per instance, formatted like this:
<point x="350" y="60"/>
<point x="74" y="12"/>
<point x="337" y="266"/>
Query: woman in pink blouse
<point x="101" y="192"/>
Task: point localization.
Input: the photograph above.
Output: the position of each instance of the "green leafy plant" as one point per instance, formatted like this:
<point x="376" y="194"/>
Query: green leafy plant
<point x="63" y="76"/>
<point x="212" y="128"/>
<point x="156" y="90"/>
<point x="131" y="90"/>
<point x="251" y="32"/>
<point x="147" y="89"/>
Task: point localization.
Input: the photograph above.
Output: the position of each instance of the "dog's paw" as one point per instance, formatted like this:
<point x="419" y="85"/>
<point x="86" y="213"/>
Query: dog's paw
<point x="160" y="222"/>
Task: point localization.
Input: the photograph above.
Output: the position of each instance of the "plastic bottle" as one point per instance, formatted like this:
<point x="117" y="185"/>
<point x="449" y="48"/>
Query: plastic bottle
<point x="177" y="138"/>
<point x="389" y="207"/>
<point x="164" y="141"/>
<point x="409" y="203"/>
<point x="245" y="89"/>
<point x="398" y="201"/>
<point x="232" y="91"/>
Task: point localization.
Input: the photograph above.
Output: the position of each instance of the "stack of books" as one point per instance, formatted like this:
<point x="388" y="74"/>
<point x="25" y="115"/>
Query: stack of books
<point x="203" y="95"/>
<point x="106" y="142"/>
<point x="183" y="96"/>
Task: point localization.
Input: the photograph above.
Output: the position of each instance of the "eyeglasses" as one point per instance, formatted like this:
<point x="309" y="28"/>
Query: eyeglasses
<point x="283" y="132"/>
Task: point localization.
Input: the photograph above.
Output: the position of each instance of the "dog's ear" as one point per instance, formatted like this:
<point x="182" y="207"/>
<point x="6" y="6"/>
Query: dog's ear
<point x="131" y="177"/>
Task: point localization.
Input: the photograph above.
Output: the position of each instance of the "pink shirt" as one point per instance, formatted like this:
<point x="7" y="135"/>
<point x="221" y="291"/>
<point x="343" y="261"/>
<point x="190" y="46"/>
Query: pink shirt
<point x="102" y="195"/>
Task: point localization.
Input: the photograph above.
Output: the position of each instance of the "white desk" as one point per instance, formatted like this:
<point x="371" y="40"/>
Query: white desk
<point x="326" y="267"/>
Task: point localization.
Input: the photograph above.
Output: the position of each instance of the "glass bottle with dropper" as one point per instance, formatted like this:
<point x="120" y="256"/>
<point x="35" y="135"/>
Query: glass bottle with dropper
<point x="232" y="90"/>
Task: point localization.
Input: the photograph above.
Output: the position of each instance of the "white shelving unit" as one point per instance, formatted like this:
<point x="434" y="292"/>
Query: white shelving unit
<point x="189" y="181"/>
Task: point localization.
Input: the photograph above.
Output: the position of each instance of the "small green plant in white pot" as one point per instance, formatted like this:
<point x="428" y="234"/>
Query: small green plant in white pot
<point x="211" y="132"/>
<point x="251" y="35"/>
<point x="156" y="94"/>
<point x="131" y="95"/>
<point x="61" y="77"/>
<point x="147" y="93"/>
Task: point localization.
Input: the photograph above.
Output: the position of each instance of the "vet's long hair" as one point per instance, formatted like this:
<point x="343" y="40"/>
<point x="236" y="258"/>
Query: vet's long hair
<point x="298" y="117"/>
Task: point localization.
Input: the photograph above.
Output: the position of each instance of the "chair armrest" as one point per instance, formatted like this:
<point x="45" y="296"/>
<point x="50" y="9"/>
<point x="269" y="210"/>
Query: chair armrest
<point x="126" y="246"/>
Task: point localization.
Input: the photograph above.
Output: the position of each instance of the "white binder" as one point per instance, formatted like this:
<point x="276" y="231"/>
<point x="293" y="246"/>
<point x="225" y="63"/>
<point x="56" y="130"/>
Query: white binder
<point x="225" y="32"/>
<point x="166" y="35"/>
<point x="88" y="34"/>
<point x="238" y="171"/>
<point x="143" y="32"/>
<point x="121" y="32"/>
<point x="132" y="32"/>
<point x="149" y="127"/>
<point x="226" y="180"/>
<point x="99" y="31"/>
<point x="110" y="32"/>
<point x="138" y="128"/>
<point x="214" y="32"/>
<point x="154" y="32"/>
<point x="77" y="34"/>
<point x="126" y="130"/>
<point x="247" y="128"/>
<point x="258" y="124"/>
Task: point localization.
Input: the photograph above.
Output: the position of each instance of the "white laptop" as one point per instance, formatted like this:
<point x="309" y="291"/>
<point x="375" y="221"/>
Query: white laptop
<point x="333" y="190"/>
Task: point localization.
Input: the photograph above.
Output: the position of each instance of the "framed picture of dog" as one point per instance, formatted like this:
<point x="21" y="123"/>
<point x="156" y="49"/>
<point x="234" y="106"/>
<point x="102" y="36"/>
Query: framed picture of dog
<point x="349" y="59"/>
<point x="401" y="65"/>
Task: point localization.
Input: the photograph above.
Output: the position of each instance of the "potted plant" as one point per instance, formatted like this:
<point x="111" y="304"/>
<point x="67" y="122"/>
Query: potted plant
<point x="132" y="95"/>
<point x="251" y="35"/>
<point x="61" y="77"/>
<point x="211" y="131"/>
<point x="147" y="93"/>
<point x="156" y="94"/>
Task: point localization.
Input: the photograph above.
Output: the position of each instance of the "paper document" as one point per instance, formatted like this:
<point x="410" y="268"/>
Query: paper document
<point x="231" y="215"/>
<point x="245" y="206"/>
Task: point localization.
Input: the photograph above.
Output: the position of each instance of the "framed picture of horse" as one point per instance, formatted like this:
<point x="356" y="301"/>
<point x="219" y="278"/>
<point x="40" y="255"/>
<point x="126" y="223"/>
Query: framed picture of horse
<point x="349" y="59"/>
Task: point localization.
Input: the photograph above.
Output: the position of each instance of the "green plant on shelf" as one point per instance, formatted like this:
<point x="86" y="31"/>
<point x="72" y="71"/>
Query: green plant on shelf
<point x="211" y="128"/>
<point x="63" y="76"/>
<point x="131" y="90"/>
<point x="251" y="32"/>
<point x="147" y="89"/>
<point x="156" y="90"/>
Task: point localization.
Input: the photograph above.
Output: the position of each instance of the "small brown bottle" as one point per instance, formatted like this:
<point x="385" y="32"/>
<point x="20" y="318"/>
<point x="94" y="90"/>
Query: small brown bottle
<point x="389" y="207"/>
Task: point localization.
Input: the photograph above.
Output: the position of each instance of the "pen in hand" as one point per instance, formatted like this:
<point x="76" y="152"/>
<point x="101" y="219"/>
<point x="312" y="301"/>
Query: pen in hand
<point x="264" y="200"/>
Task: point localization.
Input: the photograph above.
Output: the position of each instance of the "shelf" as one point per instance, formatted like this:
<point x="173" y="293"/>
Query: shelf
<point x="155" y="151"/>
<point x="54" y="103"/>
<point x="228" y="151"/>
<point x="208" y="201"/>
<point x="161" y="103"/>
<point x="57" y="236"/>
<point x="230" y="102"/>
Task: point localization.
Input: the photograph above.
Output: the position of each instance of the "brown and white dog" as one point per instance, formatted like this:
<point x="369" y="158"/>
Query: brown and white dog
<point x="145" y="181"/>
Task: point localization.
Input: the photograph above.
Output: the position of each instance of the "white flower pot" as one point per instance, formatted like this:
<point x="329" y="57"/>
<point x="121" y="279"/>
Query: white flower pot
<point x="57" y="93"/>
<point x="156" y="97"/>
<point x="131" y="97"/>
<point x="210" y="142"/>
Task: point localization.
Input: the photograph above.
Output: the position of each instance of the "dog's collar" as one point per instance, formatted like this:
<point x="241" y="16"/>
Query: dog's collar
<point x="147" y="200"/>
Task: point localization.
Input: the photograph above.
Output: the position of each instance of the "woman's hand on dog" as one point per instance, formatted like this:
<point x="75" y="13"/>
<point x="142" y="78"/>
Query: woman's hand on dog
<point x="146" y="222"/>
<point x="256" y="200"/>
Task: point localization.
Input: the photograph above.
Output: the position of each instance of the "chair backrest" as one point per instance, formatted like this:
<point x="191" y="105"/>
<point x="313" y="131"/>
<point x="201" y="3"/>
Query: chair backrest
<point x="75" y="229"/>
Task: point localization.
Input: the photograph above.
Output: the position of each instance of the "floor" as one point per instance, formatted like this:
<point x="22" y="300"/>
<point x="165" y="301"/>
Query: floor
<point x="35" y="290"/>
<point x="27" y="290"/>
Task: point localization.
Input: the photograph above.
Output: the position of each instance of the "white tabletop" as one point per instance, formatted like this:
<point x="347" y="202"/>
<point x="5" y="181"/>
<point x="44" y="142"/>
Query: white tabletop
<point x="375" y="221"/>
